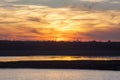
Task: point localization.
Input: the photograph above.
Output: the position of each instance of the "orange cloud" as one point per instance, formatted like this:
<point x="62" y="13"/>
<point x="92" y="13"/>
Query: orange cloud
<point x="30" y="22"/>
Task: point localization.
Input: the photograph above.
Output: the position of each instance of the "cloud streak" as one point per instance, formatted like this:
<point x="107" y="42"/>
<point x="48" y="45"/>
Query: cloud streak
<point x="43" y="22"/>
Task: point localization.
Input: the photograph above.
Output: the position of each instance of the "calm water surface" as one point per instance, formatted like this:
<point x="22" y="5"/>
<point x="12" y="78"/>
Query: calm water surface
<point x="57" y="74"/>
<point x="55" y="58"/>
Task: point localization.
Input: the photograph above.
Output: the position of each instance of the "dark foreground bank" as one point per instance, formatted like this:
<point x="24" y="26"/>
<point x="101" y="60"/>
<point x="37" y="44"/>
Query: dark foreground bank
<point x="99" y="65"/>
<point x="27" y="48"/>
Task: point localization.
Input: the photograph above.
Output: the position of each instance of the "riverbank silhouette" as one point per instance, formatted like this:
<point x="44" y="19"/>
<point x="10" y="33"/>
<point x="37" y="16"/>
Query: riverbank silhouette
<point x="84" y="64"/>
<point x="30" y="48"/>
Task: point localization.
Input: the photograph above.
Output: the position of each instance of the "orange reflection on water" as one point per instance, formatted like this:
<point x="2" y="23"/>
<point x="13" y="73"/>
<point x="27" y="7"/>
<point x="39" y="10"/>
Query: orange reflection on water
<point x="54" y="58"/>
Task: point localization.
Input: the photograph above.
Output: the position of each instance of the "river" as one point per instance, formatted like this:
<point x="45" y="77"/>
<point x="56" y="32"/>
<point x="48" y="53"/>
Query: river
<point x="58" y="74"/>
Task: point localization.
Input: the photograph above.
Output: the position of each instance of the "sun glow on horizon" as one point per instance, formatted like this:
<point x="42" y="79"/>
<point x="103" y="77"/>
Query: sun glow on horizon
<point x="60" y="39"/>
<point x="43" y="23"/>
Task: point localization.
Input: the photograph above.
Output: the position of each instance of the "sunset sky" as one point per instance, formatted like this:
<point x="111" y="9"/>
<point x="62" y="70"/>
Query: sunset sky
<point x="60" y="20"/>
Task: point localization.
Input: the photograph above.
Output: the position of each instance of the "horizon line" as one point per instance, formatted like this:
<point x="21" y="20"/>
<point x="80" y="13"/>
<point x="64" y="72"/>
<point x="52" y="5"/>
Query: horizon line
<point x="60" y="41"/>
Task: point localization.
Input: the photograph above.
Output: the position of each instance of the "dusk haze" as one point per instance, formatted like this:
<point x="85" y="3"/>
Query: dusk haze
<point x="60" y="20"/>
<point x="59" y="39"/>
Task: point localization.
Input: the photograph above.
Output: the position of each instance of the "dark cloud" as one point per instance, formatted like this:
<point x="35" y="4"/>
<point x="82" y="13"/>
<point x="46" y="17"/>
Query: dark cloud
<point x="34" y="19"/>
<point x="6" y="36"/>
<point x="24" y="28"/>
<point x="84" y="19"/>
<point x="35" y="31"/>
<point x="107" y="4"/>
<point x="26" y="37"/>
<point x="8" y="22"/>
<point x="111" y="34"/>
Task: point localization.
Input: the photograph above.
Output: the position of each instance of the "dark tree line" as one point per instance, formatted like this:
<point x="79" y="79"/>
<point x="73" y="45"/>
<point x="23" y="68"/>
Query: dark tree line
<point x="51" y="45"/>
<point x="59" y="46"/>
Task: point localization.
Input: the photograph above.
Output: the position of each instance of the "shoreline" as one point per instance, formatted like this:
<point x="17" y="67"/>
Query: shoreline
<point x="86" y="64"/>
